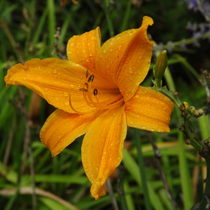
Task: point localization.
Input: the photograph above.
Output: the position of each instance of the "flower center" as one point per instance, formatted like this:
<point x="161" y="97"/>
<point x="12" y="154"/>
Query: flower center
<point x="90" y="95"/>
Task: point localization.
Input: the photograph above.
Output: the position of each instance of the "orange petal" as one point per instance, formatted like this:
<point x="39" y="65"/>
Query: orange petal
<point x="55" y="80"/>
<point x="102" y="148"/>
<point x="82" y="49"/>
<point x="125" y="58"/>
<point x="149" y="110"/>
<point x="62" y="128"/>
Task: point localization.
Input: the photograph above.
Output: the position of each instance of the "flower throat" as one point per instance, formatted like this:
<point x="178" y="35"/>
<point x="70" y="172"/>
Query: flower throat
<point x="90" y="95"/>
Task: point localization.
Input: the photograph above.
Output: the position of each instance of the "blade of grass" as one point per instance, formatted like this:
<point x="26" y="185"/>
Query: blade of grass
<point x="126" y="17"/>
<point x="51" y="20"/>
<point x="131" y="166"/>
<point x="109" y="22"/>
<point x="39" y="27"/>
<point x="183" y="164"/>
<point x="128" y="197"/>
<point x="142" y="170"/>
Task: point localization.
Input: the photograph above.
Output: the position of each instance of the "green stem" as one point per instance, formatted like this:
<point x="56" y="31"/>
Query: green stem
<point x="170" y="95"/>
<point x="142" y="171"/>
<point x="110" y="26"/>
<point x="189" y="41"/>
<point x="121" y="190"/>
<point x="207" y="188"/>
<point x="193" y="142"/>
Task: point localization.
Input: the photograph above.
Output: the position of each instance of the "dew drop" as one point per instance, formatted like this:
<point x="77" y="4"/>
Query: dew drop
<point x="83" y="51"/>
<point x="65" y="94"/>
<point x="72" y="44"/>
<point x="111" y="50"/>
<point x="70" y="52"/>
<point x="131" y="122"/>
<point x="66" y="103"/>
<point x="136" y="96"/>
<point x="54" y="71"/>
<point x="56" y="99"/>
<point x="131" y="70"/>
<point x="104" y="50"/>
<point x="72" y="86"/>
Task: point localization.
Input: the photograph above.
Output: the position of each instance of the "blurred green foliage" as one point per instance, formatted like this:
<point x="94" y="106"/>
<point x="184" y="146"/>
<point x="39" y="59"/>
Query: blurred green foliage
<point x="27" y="30"/>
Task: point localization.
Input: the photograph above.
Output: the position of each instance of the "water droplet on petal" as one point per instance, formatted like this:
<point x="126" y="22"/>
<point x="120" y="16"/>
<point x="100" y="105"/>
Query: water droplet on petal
<point x="55" y="71"/>
<point x="72" y="86"/>
<point x="131" y="70"/>
<point x="65" y="94"/>
<point x="72" y="44"/>
<point x="66" y="103"/>
<point x="56" y="99"/>
<point x="111" y="50"/>
<point x="136" y="96"/>
<point x="131" y="122"/>
<point x="104" y="50"/>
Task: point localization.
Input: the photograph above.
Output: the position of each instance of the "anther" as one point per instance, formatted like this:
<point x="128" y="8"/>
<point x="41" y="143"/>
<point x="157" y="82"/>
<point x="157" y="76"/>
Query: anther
<point x="95" y="92"/>
<point x="91" y="78"/>
<point x="83" y="89"/>
<point x="86" y="75"/>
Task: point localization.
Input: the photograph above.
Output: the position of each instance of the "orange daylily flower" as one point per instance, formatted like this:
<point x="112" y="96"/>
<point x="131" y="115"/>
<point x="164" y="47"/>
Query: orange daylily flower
<point x="97" y="92"/>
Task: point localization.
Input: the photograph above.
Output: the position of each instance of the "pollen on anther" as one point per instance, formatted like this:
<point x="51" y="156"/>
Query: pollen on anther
<point x="86" y="75"/>
<point x="91" y="78"/>
<point x="95" y="92"/>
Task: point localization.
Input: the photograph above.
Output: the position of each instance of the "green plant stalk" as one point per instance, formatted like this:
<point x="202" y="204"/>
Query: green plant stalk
<point x="121" y="180"/>
<point x="189" y="41"/>
<point x="193" y="142"/>
<point x="207" y="188"/>
<point x="110" y="26"/>
<point x="177" y="101"/>
<point x="142" y="171"/>
<point x="170" y="95"/>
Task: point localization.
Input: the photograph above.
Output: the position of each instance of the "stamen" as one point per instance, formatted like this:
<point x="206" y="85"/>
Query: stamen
<point x="91" y="78"/>
<point x="90" y="92"/>
<point x="86" y="75"/>
<point x="83" y="89"/>
<point x="95" y="92"/>
<point x="72" y="105"/>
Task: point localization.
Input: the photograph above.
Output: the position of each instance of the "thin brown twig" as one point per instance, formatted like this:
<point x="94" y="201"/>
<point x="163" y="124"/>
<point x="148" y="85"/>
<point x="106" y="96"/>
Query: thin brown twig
<point x="113" y="199"/>
<point x="201" y="10"/>
<point x="56" y="50"/>
<point x="161" y="172"/>
<point x="9" y="143"/>
<point x="20" y="105"/>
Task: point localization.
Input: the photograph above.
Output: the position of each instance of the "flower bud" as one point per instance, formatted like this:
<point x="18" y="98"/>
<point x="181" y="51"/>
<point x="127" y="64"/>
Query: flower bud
<point x="160" y="66"/>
